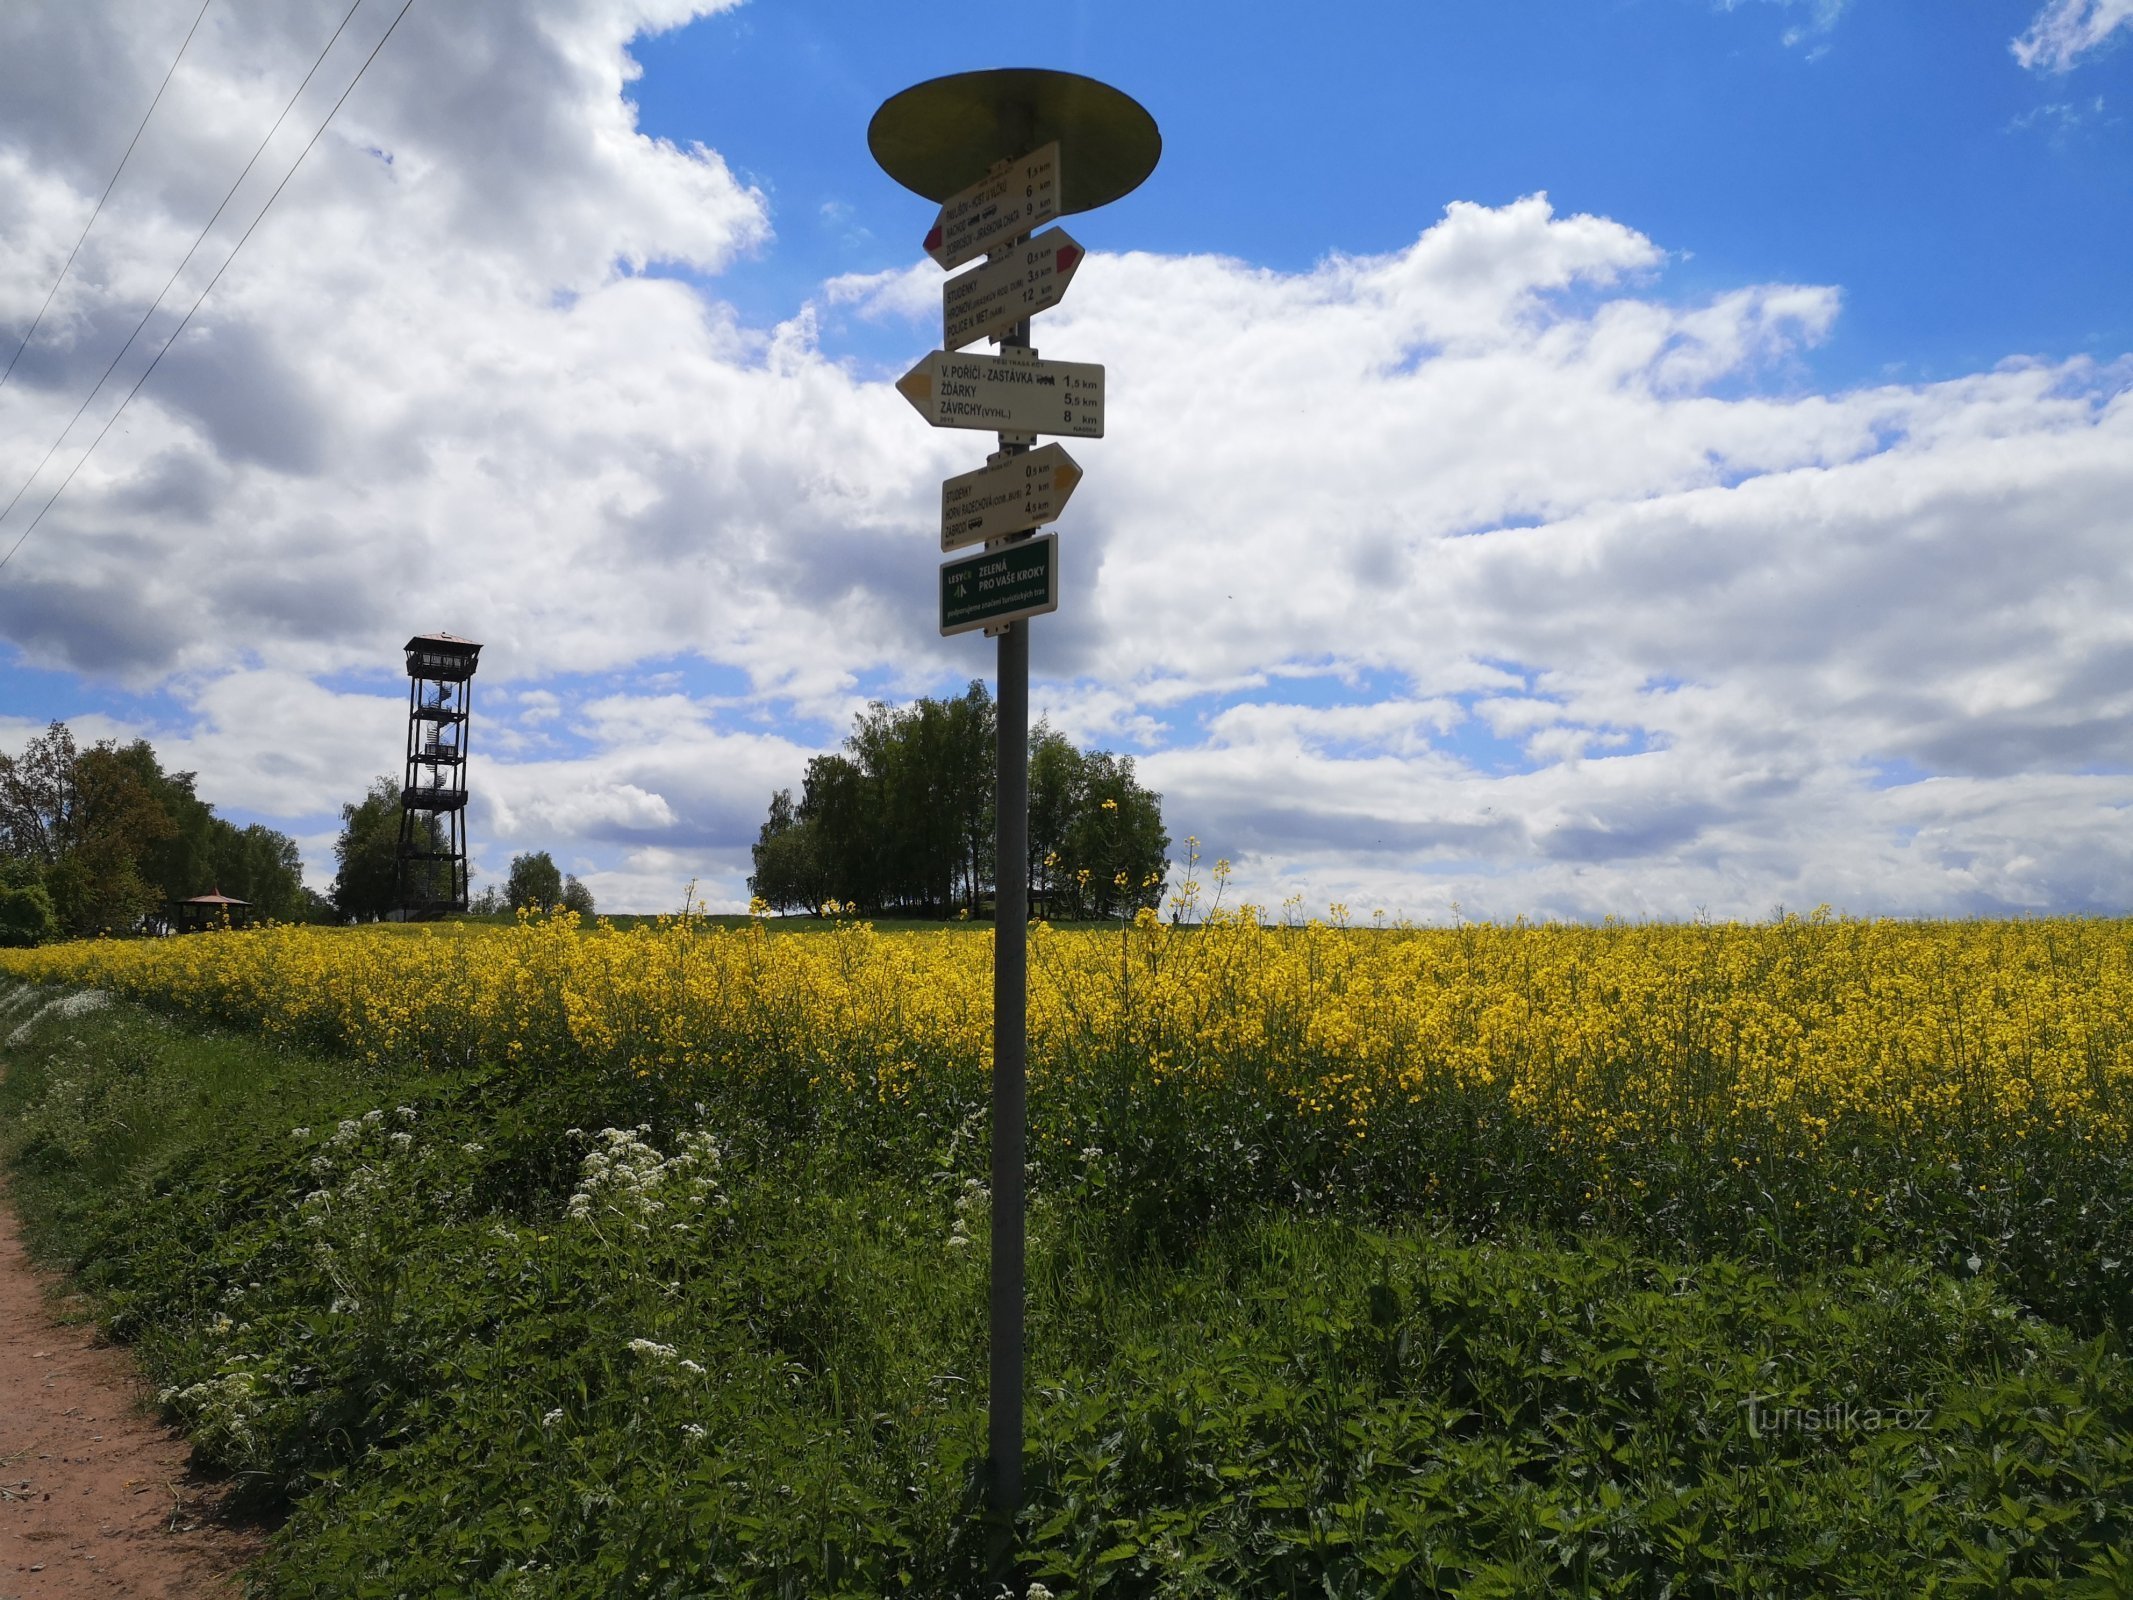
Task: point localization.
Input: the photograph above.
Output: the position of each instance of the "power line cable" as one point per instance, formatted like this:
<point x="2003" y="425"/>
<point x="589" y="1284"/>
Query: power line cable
<point x="217" y="278"/>
<point x="97" y="388"/>
<point x="38" y="321"/>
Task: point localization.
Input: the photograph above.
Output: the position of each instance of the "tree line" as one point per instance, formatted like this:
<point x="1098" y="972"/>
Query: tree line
<point x="900" y="821"/>
<point x="366" y="882"/>
<point x="101" y="840"/>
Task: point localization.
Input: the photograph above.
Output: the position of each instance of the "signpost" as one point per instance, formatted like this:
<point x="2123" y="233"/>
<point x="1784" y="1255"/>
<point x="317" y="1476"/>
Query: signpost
<point x="1011" y="395"/>
<point x="1004" y="152"/>
<point x="1000" y="206"/>
<point x="1016" y="284"/>
<point x="1016" y="492"/>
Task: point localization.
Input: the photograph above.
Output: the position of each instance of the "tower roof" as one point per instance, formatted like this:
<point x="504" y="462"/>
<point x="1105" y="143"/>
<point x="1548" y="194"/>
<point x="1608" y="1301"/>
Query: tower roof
<point x="445" y="643"/>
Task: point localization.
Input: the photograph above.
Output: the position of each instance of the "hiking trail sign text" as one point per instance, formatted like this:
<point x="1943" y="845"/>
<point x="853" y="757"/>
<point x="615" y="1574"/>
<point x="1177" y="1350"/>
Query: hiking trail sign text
<point x="1018" y="199"/>
<point x="1001" y="585"/>
<point x="1011" y="495"/>
<point x="1007" y="395"/>
<point x="1019" y="281"/>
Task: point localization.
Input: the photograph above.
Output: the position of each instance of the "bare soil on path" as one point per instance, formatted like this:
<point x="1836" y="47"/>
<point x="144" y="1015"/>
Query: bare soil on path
<point x="96" y="1499"/>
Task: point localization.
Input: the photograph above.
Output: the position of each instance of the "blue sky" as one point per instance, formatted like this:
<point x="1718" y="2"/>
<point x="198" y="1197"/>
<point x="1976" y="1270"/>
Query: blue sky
<point x="1574" y="457"/>
<point x="1969" y="209"/>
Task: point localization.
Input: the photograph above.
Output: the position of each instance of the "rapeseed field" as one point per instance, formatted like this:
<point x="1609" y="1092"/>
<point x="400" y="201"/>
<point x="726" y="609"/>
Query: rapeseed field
<point x="1934" y="1034"/>
<point x="1814" y="1081"/>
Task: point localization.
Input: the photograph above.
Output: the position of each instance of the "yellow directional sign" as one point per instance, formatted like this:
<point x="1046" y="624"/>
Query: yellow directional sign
<point x="1019" y="281"/>
<point x="1009" y="395"/>
<point x="1012" y="495"/>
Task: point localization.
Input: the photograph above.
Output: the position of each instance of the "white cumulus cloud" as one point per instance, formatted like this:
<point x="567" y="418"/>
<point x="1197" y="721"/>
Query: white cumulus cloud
<point x="1486" y="569"/>
<point x="2066" y="30"/>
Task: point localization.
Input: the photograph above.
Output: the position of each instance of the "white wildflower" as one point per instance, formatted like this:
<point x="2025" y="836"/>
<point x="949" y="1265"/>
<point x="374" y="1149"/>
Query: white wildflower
<point x="550" y="1419"/>
<point x="645" y="1347"/>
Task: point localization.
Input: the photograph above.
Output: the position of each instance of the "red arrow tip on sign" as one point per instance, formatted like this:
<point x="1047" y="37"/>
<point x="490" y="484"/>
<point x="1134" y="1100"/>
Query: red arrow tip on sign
<point x="933" y="240"/>
<point x="1068" y="255"/>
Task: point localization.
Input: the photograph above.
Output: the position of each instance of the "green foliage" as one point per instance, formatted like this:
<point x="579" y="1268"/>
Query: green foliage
<point x="38" y="799"/>
<point x="1096" y="841"/>
<point x="901" y="822"/>
<point x="556" y="1332"/>
<point x="113" y="838"/>
<point x="83" y="819"/>
<point x="26" y="916"/>
<point x="367" y="884"/>
<point x="534" y="884"/>
<point x="788" y="869"/>
<point x="576" y="897"/>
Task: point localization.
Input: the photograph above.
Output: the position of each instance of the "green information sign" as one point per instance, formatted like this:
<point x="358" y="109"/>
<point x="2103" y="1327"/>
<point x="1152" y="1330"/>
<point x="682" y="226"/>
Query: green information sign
<point x="1004" y="585"/>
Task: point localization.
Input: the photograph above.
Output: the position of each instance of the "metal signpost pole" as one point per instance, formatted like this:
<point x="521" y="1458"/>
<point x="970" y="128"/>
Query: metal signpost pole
<point x="1010" y="1035"/>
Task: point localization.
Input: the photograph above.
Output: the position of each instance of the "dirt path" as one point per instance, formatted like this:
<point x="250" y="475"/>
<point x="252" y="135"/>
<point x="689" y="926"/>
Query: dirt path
<point x="95" y="1498"/>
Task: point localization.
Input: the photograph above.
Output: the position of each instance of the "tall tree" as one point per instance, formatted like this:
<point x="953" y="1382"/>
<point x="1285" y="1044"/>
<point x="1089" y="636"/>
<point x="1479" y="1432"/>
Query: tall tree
<point x="37" y="797"/>
<point x="534" y="883"/>
<point x="367" y="853"/>
<point x="1116" y="846"/>
<point x="98" y="883"/>
<point x="840" y="806"/>
<point x="1056" y="788"/>
<point x="787" y="875"/>
<point x="202" y="851"/>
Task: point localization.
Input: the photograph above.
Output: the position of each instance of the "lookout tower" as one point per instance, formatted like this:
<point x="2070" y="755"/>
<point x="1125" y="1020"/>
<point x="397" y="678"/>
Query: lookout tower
<point x="431" y="873"/>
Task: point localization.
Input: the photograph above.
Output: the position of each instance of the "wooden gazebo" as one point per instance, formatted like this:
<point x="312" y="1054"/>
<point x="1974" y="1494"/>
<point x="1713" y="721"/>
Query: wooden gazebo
<point x="212" y="910"/>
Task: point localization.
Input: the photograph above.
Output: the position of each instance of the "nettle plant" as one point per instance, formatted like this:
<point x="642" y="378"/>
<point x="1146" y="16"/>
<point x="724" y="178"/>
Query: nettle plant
<point x="279" y="1359"/>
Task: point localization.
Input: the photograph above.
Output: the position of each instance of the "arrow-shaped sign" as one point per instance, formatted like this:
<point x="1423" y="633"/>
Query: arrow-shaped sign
<point x="1018" y="282"/>
<point x="1012" y="495"/>
<point x="1012" y="396"/>
<point x="1019" y="199"/>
